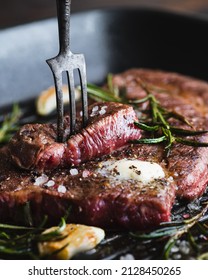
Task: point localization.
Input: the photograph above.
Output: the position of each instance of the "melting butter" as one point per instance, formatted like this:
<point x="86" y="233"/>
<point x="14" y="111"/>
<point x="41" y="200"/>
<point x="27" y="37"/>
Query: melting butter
<point x="126" y="169"/>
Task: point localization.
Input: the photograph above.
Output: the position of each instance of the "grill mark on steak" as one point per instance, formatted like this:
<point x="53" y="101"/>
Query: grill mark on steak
<point x="111" y="126"/>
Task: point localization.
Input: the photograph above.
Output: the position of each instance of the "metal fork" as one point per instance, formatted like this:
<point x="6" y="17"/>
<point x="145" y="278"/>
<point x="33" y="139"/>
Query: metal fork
<point x="67" y="62"/>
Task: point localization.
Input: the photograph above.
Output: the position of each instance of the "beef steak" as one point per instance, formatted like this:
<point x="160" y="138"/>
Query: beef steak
<point x="97" y="198"/>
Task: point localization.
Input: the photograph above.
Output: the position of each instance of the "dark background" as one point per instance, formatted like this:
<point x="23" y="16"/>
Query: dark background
<point x="15" y="12"/>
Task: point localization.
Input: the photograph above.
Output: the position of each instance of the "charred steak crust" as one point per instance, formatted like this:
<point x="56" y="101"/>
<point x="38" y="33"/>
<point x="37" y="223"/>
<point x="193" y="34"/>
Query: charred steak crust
<point x="102" y="201"/>
<point x="111" y="126"/>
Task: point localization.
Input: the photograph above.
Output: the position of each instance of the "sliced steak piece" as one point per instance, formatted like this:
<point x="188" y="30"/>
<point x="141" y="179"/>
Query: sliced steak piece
<point x="93" y="197"/>
<point x="111" y="126"/>
<point x="189" y="97"/>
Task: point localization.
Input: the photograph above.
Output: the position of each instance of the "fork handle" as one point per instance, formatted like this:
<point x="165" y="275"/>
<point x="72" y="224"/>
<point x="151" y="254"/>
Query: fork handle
<point x="63" y="14"/>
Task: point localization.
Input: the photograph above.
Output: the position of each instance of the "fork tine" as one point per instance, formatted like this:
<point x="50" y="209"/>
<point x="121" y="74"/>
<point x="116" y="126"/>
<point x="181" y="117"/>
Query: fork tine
<point x="60" y="107"/>
<point x="70" y="77"/>
<point x="83" y="84"/>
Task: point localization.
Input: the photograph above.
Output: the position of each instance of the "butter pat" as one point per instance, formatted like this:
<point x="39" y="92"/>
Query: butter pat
<point x="79" y="238"/>
<point x="132" y="169"/>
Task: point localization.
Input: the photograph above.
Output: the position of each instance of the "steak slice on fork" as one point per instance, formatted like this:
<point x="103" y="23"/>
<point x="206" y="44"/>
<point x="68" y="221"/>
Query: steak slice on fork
<point x="110" y="127"/>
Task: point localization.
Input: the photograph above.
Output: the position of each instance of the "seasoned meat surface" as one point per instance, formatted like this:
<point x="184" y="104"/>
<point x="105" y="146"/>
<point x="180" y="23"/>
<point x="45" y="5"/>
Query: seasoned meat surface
<point x="95" y="196"/>
<point x="188" y="97"/>
<point x="91" y="197"/>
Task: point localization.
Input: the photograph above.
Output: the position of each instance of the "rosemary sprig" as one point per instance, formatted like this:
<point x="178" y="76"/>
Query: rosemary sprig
<point x="10" y="124"/>
<point x="55" y="234"/>
<point x="157" y="119"/>
<point x="111" y="87"/>
<point x="174" y="130"/>
<point x="172" y="231"/>
<point x="160" y="117"/>
<point x="170" y="133"/>
<point x="22" y="241"/>
<point x="150" y="140"/>
<point x="99" y="94"/>
<point x="203" y="256"/>
<point x="185" y="132"/>
<point x="191" y="143"/>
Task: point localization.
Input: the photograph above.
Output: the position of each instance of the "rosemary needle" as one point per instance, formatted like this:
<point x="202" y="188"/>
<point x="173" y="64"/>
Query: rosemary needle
<point x="10" y="124"/>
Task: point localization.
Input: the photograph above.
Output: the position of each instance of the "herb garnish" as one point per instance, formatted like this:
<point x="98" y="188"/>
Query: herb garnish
<point x="155" y="120"/>
<point x="172" y="231"/>
<point x="160" y="123"/>
<point x="10" y="124"/>
<point x="22" y="241"/>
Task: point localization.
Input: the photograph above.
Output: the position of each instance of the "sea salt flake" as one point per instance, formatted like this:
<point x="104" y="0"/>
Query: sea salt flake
<point x="127" y="257"/>
<point x="174" y="249"/>
<point x="176" y="256"/>
<point x="184" y="247"/>
<point x="61" y="189"/>
<point x="175" y="174"/>
<point x="94" y="111"/>
<point x="171" y="179"/>
<point x="50" y="183"/>
<point x="85" y="173"/>
<point x="73" y="171"/>
<point x="41" y="180"/>
<point x="103" y="110"/>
